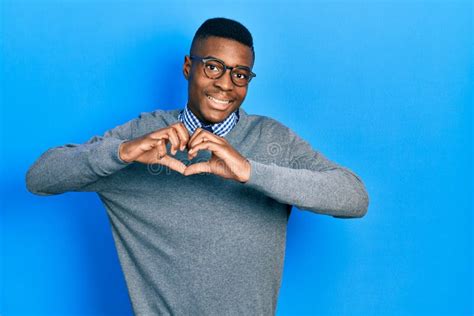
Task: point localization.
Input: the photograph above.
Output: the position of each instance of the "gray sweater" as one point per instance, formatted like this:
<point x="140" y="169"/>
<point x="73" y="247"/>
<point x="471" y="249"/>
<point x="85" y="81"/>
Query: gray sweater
<point x="202" y="245"/>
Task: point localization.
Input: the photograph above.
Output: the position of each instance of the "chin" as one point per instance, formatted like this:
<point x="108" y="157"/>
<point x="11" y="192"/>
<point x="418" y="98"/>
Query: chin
<point x="216" y="117"/>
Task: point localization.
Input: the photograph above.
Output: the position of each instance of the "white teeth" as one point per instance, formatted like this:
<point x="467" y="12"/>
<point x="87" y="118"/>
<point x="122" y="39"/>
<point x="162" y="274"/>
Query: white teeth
<point x="218" y="101"/>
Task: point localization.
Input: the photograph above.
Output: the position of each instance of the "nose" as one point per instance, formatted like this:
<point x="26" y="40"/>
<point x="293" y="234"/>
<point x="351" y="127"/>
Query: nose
<point x="224" y="82"/>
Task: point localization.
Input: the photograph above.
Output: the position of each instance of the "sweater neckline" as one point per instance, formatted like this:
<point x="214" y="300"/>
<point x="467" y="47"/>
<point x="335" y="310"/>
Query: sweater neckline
<point x="241" y="124"/>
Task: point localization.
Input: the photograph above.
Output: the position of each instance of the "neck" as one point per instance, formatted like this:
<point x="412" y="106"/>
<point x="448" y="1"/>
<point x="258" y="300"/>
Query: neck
<point x="198" y="115"/>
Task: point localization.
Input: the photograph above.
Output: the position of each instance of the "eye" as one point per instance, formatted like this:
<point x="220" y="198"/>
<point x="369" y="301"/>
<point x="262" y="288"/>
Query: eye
<point x="213" y="67"/>
<point x="241" y="75"/>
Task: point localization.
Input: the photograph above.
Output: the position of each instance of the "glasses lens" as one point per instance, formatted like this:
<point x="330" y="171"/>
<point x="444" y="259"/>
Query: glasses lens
<point x="213" y="69"/>
<point x="241" y="76"/>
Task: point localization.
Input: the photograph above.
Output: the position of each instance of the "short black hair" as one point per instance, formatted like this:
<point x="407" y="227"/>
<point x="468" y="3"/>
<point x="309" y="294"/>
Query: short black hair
<point x="226" y="28"/>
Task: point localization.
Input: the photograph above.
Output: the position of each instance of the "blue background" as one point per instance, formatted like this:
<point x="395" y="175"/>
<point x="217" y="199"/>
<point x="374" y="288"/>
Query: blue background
<point x="384" y="88"/>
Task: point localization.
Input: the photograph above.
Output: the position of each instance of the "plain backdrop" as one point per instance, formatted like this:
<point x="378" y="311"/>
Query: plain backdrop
<point x="382" y="87"/>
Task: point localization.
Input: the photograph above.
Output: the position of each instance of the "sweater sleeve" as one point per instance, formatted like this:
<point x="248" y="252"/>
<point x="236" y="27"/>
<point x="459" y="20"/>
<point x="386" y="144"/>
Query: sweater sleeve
<point x="79" y="167"/>
<point x="311" y="182"/>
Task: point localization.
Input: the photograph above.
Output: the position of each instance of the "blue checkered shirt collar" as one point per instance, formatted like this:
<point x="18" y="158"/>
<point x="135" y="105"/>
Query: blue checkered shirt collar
<point x="220" y="129"/>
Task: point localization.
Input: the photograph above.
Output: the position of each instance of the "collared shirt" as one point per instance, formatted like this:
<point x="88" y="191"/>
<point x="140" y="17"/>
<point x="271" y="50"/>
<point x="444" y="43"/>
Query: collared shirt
<point x="220" y="129"/>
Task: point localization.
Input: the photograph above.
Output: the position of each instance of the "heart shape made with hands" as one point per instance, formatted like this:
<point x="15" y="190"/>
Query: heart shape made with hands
<point x="225" y="161"/>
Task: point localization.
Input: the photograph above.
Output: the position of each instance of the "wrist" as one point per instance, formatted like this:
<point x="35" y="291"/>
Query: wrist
<point x="122" y="152"/>
<point x="247" y="170"/>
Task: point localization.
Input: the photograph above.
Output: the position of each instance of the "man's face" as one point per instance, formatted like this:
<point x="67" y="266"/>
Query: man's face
<point x="213" y="100"/>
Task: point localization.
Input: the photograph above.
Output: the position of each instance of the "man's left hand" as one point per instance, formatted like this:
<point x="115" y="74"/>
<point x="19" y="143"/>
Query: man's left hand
<point x="225" y="160"/>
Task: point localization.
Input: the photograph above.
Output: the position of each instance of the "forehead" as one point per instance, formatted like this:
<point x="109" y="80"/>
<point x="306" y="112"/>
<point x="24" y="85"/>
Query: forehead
<point x="231" y="52"/>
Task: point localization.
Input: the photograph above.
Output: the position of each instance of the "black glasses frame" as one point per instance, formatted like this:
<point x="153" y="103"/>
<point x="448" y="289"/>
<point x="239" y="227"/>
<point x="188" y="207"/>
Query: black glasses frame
<point x="206" y="59"/>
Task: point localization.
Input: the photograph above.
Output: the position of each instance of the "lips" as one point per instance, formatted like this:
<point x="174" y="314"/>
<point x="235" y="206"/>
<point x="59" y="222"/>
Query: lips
<point x="219" y="103"/>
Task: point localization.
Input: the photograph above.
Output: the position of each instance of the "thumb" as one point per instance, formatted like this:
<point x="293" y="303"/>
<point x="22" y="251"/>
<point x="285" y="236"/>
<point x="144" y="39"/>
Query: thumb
<point x="197" y="168"/>
<point x="173" y="163"/>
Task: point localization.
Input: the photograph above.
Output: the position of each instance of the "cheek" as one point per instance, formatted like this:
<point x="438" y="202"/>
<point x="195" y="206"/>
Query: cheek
<point x="199" y="85"/>
<point x="195" y="89"/>
<point x="242" y="94"/>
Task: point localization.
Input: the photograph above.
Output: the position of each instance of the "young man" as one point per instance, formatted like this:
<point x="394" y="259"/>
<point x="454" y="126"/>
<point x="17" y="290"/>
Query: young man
<point x="199" y="198"/>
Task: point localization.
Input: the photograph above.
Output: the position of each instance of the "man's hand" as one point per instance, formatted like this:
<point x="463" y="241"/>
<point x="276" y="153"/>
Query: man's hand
<point x="225" y="160"/>
<point x="151" y="148"/>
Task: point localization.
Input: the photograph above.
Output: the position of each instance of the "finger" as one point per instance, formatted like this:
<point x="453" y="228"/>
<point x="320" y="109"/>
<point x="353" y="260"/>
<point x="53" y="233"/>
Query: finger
<point x="197" y="168"/>
<point x="174" y="140"/>
<point x="172" y="163"/>
<point x="195" y="134"/>
<point x="159" y="133"/>
<point x="206" y="145"/>
<point x="205" y="135"/>
<point x="183" y="135"/>
<point x="161" y="148"/>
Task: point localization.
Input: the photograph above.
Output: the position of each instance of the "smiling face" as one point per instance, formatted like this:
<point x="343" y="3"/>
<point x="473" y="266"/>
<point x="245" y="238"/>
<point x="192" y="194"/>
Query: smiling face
<point x="213" y="100"/>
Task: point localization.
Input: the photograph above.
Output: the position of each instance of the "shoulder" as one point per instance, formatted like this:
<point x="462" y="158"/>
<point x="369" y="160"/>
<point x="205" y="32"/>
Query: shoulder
<point x="147" y="122"/>
<point x="269" y="127"/>
<point x="275" y="132"/>
<point x="159" y="115"/>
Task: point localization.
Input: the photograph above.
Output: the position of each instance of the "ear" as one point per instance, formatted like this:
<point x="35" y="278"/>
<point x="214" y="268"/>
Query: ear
<point x="187" y="67"/>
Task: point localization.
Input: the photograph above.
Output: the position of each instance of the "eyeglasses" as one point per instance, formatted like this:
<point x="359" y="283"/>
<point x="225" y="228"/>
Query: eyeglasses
<point x="215" y="68"/>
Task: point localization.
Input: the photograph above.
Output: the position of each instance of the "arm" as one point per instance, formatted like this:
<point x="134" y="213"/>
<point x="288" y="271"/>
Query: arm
<point x="79" y="167"/>
<point x="312" y="182"/>
<point x="85" y="167"/>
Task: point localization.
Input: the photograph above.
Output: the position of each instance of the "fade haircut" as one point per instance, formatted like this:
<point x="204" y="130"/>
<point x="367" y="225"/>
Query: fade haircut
<point x="226" y="28"/>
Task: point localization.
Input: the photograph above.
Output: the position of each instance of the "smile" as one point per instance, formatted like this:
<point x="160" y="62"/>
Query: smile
<point x="218" y="101"/>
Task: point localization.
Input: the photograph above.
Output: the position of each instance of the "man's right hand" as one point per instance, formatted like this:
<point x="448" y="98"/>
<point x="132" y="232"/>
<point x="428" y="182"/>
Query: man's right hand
<point x="151" y="148"/>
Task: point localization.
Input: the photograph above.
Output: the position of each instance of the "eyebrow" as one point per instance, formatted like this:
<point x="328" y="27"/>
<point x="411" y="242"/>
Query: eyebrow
<point x="209" y="56"/>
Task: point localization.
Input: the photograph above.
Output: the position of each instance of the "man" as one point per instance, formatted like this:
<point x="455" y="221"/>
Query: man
<point x="199" y="198"/>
